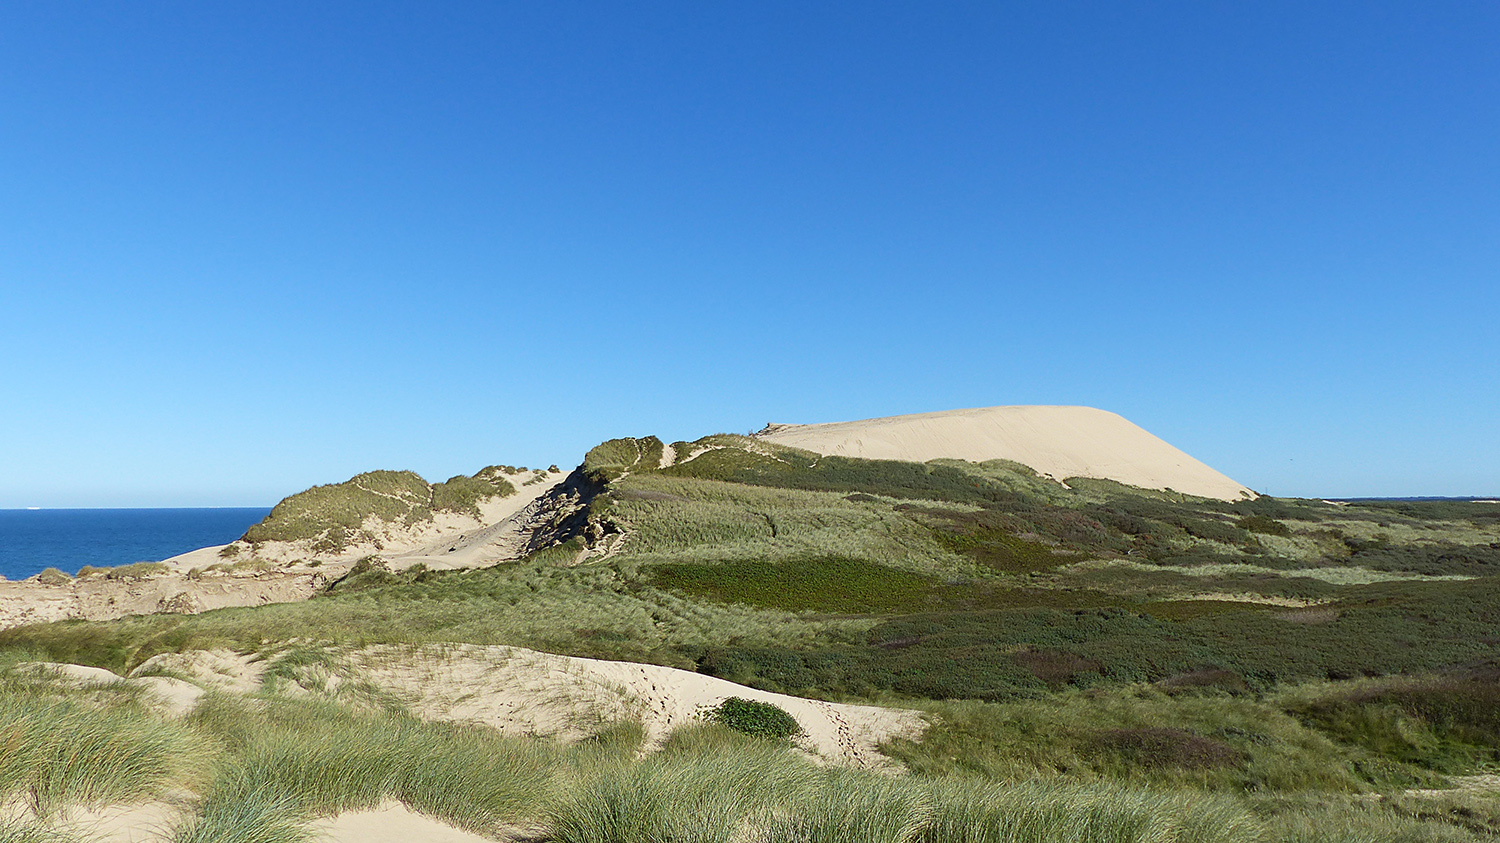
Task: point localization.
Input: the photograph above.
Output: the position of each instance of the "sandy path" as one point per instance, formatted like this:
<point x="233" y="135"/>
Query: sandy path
<point x="525" y="692"/>
<point x="153" y="822"/>
<point x="521" y="691"/>
<point x="1059" y="442"/>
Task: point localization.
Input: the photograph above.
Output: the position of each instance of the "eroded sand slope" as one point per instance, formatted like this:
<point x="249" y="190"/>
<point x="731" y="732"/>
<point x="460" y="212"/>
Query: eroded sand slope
<point x="1059" y="442"/>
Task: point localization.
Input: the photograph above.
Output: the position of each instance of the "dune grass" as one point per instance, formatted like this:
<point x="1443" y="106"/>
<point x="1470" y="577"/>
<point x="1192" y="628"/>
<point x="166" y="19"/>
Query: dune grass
<point x="703" y="786"/>
<point x="1021" y="773"/>
<point x="12" y="832"/>
<point x="972" y="811"/>
<point x="56" y="750"/>
<point x="325" y="758"/>
<point x="238" y="810"/>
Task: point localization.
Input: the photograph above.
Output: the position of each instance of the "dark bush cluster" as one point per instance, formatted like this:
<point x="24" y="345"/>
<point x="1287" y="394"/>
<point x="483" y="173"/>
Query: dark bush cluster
<point x="752" y="717"/>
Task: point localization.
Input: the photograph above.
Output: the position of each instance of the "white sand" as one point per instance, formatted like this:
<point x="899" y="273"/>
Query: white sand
<point x="153" y="822"/>
<point x="1058" y="442"/>
<point x="391" y="822"/>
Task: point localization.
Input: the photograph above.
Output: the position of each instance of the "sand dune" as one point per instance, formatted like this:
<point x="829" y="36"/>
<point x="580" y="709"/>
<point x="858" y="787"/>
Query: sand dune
<point x="1058" y="442"/>
<point x="520" y="691"/>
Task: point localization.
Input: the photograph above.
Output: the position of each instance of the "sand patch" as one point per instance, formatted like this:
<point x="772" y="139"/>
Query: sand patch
<point x="1058" y="442"/>
<point x="390" y="822"/>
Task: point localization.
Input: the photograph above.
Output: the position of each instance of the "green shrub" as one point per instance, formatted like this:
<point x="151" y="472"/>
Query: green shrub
<point x="755" y="718"/>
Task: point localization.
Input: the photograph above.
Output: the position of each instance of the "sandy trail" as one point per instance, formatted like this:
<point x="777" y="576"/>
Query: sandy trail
<point x="1058" y="442"/>
<point x="153" y="822"/>
<point x="526" y="692"/>
<point x="520" y="691"/>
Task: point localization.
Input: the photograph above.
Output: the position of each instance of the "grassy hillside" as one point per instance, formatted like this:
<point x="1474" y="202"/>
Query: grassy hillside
<point x="1090" y="641"/>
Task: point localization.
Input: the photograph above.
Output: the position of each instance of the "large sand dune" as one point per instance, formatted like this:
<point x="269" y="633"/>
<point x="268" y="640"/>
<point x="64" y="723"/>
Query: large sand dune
<point x="1059" y="442"/>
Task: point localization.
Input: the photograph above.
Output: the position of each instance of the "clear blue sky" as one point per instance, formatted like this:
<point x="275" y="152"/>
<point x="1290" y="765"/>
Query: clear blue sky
<point x="249" y="247"/>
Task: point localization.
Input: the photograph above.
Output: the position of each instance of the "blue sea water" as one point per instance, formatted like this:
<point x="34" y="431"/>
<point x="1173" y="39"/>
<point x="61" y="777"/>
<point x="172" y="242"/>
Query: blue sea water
<point x="34" y="539"/>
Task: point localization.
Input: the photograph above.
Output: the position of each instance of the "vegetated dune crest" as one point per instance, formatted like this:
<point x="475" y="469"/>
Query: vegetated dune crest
<point x="1058" y="442"/>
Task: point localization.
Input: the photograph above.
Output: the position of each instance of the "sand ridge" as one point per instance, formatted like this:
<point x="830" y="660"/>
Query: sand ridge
<point x="1058" y="442"/>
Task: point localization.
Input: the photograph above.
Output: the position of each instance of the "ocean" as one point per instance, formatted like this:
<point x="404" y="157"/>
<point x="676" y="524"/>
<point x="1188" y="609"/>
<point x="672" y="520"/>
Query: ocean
<point x="34" y="539"/>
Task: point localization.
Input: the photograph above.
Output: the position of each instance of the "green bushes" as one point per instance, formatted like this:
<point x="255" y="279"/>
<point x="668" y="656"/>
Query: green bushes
<point x="1448" y="723"/>
<point x="1262" y="524"/>
<point x="754" y="718"/>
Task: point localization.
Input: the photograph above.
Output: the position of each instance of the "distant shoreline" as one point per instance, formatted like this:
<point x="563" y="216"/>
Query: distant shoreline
<point x="69" y="538"/>
<point x="1417" y="498"/>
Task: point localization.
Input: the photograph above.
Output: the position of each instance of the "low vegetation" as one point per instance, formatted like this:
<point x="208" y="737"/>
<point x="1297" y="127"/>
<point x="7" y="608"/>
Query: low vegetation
<point x="1098" y="662"/>
<point x="752" y="717"/>
<point x="263" y="767"/>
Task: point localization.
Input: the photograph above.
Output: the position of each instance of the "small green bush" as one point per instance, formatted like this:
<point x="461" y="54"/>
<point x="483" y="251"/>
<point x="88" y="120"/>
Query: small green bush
<point x="755" y="718"/>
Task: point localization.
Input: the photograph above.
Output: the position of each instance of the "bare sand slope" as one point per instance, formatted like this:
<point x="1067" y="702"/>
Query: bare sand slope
<point x="521" y="691"/>
<point x="1059" y="442"/>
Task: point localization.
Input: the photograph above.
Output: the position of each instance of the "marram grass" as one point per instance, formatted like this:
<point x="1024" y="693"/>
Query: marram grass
<point x="58" y="752"/>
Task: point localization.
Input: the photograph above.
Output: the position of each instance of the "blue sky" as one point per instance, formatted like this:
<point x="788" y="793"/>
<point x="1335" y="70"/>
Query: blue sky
<point x="250" y="247"/>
